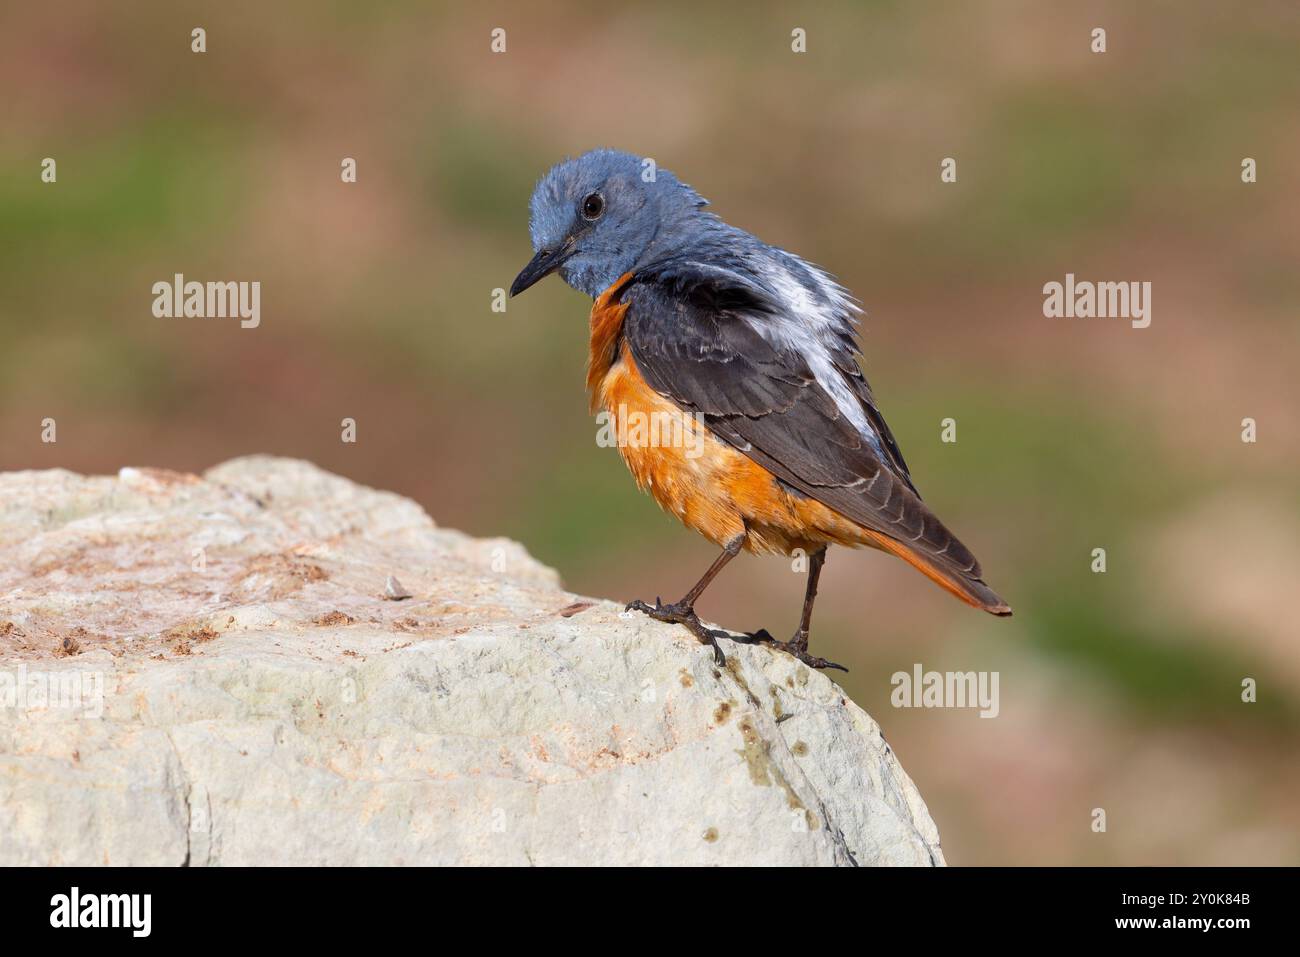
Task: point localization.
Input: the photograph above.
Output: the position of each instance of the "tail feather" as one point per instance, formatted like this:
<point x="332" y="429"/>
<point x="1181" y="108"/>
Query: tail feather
<point x="967" y="586"/>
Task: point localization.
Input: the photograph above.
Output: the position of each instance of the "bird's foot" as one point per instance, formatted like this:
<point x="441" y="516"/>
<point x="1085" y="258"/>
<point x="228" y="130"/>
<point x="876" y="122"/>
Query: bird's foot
<point x="796" y="647"/>
<point x="679" y="614"/>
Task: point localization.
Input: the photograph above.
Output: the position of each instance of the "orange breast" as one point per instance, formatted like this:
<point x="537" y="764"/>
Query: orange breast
<point x="710" y="486"/>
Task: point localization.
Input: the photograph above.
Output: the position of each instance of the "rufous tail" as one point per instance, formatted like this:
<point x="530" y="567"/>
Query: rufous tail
<point x="966" y="585"/>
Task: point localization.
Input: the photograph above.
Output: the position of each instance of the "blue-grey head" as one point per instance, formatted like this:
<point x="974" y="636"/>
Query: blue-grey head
<point x="597" y="217"/>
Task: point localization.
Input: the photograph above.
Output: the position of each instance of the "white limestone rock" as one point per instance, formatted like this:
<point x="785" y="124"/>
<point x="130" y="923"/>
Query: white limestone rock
<point x="211" y="670"/>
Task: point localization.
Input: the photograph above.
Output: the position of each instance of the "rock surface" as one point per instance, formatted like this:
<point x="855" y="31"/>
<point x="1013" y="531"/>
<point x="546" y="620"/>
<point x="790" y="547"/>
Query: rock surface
<point x="213" y="670"/>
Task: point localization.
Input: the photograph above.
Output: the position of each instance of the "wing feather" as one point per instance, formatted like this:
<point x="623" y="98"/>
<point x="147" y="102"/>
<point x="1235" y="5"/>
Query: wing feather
<point x="700" y="346"/>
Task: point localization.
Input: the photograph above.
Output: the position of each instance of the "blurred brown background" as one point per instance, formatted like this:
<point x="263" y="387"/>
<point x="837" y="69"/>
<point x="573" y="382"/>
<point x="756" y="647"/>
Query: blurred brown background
<point x="1119" y="691"/>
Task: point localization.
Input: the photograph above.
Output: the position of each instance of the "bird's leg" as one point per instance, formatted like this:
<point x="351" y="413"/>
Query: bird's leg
<point x="798" y="645"/>
<point x="682" y="612"/>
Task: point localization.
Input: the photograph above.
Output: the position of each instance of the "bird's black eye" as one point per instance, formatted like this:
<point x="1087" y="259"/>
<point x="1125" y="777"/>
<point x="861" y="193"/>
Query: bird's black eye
<point x="593" y="206"/>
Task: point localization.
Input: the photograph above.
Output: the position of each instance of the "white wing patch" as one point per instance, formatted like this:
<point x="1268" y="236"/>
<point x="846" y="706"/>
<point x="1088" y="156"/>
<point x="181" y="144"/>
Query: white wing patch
<point x="814" y="325"/>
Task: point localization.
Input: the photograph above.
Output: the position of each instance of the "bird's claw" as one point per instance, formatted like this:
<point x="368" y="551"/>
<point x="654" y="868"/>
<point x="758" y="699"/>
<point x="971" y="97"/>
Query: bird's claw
<point x="677" y="614"/>
<point x="796" y="647"/>
<point x="683" y="615"/>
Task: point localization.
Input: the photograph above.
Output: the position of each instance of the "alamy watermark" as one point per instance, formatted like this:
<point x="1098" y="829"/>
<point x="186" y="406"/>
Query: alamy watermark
<point x="211" y="300"/>
<point x="25" y="690"/>
<point x="946" y="689"/>
<point x="75" y="909"/>
<point x="1083" y="299"/>
<point x="645" y="430"/>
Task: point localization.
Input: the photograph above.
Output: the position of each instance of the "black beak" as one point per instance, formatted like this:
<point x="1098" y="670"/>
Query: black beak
<point x="540" y="266"/>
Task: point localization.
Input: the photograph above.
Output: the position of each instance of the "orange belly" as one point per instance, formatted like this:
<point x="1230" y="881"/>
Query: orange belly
<point x="710" y="486"/>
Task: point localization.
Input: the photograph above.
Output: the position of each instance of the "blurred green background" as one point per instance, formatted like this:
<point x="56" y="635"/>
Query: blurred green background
<point x="1119" y="691"/>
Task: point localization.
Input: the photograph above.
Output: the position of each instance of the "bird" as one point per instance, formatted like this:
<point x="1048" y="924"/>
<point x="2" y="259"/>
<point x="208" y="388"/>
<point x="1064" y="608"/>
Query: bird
<point x="749" y="355"/>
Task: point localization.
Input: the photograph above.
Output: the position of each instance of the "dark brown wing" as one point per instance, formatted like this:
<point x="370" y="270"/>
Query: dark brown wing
<point x="700" y="348"/>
